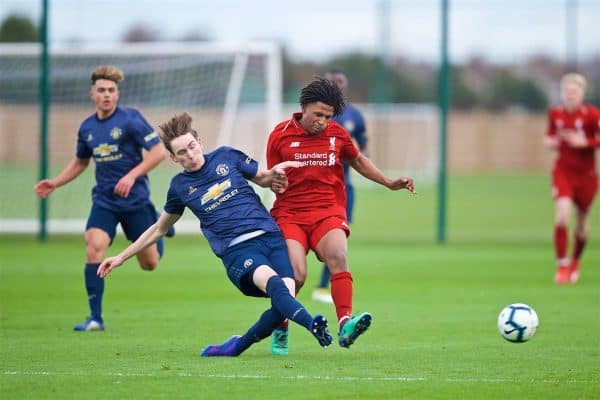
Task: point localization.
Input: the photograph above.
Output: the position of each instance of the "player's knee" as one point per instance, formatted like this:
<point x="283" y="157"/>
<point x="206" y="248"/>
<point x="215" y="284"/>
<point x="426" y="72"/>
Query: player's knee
<point x="337" y="260"/>
<point x="299" y="278"/>
<point x="149" y="264"/>
<point x="95" y="252"/>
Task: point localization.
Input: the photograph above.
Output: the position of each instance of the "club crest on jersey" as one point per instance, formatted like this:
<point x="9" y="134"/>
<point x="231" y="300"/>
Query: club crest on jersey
<point x="116" y="133"/>
<point x="332" y="143"/>
<point x="295" y="144"/>
<point x="248" y="262"/>
<point x="191" y="190"/>
<point x="216" y="191"/>
<point x="222" y="169"/>
<point x="89" y="138"/>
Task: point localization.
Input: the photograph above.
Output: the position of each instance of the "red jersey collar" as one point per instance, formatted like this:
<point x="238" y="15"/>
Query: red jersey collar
<point x="294" y="122"/>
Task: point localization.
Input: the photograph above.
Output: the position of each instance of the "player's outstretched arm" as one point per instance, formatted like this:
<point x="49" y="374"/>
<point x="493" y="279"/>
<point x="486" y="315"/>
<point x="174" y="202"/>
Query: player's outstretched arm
<point x="73" y="169"/>
<point x="275" y="177"/>
<point x="150" y="236"/>
<point x="364" y="166"/>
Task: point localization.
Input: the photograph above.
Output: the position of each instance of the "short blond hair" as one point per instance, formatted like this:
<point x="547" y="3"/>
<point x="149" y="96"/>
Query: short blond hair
<point x="574" y="78"/>
<point x="108" y="72"/>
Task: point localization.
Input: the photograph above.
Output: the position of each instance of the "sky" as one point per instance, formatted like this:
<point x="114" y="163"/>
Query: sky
<point x="502" y="31"/>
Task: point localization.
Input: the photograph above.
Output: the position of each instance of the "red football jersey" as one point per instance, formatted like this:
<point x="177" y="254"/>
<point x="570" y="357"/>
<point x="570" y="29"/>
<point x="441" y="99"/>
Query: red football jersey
<point x="318" y="185"/>
<point x="584" y="121"/>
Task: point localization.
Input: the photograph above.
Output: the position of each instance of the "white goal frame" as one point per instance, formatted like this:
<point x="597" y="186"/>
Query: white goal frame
<point x="239" y="50"/>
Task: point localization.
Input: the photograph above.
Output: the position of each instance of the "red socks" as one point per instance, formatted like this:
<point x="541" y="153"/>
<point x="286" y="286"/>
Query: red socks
<point x="341" y="292"/>
<point x="560" y="244"/>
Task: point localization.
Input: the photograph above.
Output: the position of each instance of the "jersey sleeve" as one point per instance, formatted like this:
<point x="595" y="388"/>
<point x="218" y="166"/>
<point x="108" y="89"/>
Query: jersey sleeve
<point x="83" y="150"/>
<point x="143" y="132"/>
<point x="173" y="205"/>
<point x="246" y="164"/>
<point x="551" y="128"/>
<point x="273" y="156"/>
<point x="594" y="141"/>
<point x="348" y="151"/>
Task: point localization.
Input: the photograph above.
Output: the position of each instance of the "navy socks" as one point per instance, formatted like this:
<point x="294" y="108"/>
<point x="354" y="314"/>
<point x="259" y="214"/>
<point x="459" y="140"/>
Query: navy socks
<point x="95" y="289"/>
<point x="288" y="306"/>
<point x="268" y="321"/>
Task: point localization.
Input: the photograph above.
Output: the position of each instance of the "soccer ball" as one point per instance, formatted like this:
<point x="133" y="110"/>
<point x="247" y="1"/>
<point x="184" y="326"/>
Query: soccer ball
<point x="517" y="322"/>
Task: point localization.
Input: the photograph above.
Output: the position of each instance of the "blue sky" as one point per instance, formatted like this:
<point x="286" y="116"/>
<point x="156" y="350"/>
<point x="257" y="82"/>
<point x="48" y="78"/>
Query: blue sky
<point x="500" y="30"/>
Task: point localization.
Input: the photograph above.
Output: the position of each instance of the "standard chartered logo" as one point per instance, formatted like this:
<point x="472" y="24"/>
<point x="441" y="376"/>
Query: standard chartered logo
<point x="315" y="159"/>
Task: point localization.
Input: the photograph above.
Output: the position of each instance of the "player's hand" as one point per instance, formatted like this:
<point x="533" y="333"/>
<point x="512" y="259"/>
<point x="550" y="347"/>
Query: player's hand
<point x="552" y="142"/>
<point x="124" y="186"/>
<point x="108" y="265"/>
<point x="44" y="187"/>
<point x="280" y="181"/>
<point x="576" y="140"/>
<point x="402" y="183"/>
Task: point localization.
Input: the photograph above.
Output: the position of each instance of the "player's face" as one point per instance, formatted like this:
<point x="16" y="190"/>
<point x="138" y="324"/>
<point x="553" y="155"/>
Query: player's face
<point x="339" y="79"/>
<point x="105" y="94"/>
<point x="315" y="117"/>
<point x="572" y="96"/>
<point x="187" y="152"/>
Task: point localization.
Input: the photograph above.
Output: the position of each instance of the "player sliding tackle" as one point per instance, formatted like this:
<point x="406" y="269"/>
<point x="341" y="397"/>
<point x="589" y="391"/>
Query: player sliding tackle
<point x="237" y="226"/>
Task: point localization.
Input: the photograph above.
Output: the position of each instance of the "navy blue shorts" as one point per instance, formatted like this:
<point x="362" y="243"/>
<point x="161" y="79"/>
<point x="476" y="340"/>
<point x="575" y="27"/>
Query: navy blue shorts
<point x="242" y="259"/>
<point x="134" y="223"/>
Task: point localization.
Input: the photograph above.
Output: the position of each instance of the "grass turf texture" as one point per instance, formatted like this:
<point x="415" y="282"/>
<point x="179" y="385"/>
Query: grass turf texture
<point x="435" y="308"/>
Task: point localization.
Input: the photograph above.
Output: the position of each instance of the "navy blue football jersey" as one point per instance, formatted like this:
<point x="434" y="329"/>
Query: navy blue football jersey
<point x="116" y="145"/>
<point x="221" y="198"/>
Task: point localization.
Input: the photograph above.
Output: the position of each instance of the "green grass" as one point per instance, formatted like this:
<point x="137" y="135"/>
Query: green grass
<point x="435" y="307"/>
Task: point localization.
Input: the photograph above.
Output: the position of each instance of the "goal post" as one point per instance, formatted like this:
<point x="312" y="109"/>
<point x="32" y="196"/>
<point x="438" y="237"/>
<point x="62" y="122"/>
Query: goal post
<point x="232" y="90"/>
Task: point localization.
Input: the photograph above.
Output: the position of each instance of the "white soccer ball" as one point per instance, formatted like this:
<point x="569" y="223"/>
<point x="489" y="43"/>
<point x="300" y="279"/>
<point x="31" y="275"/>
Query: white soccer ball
<point x="517" y="322"/>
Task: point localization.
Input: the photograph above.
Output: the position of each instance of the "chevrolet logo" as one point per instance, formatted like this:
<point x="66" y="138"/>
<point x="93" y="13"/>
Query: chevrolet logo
<point x="215" y="191"/>
<point x="104" y="149"/>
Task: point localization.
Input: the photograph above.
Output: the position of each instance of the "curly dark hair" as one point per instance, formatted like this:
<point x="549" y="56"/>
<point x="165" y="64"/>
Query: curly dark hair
<point x="325" y="91"/>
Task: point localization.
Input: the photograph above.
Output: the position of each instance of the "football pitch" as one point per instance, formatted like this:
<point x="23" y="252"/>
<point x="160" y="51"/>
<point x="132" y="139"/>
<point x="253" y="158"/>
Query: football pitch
<point x="434" y="309"/>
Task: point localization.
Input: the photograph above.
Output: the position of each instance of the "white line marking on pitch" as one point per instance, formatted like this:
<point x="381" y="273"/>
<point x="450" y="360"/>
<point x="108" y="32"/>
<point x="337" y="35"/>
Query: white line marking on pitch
<point x="303" y="377"/>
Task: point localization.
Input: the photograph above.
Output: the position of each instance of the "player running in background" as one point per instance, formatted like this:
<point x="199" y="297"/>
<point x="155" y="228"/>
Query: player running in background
<point x="352" y="120"/>
<point x="239" y="229"/>
<point x="115" y="138"/>
<point x="574" y="131"/>
<point x="312" y="211"/>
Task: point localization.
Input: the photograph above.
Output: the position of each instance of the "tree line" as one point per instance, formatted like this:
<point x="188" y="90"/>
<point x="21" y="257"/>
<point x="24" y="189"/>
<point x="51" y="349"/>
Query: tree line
<point x="475" y="84"/>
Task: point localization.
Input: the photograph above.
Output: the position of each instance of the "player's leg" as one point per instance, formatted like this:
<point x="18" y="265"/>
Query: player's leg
<point x="332" y="247"/>
<point x="322" y="292"/>
<point x="134" y="223"/>
<point x="563" y="206"/>
<point x="562" y="192"/>
<point x="281" y="292"/>
<point x="100" y="230"/>
<point x="296" y="246"/>
<point x="584" y="199"/>
<point x="258" y="280"/>
<point x="297" y="256"/>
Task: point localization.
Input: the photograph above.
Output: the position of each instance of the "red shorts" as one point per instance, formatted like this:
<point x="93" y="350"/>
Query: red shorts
<point x="579" y="187"/>
<point x="310" y="234"/>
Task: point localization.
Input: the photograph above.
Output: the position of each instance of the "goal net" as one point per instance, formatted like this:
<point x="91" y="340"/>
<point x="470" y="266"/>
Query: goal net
<point x="233" y="92"/>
